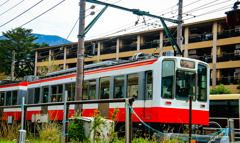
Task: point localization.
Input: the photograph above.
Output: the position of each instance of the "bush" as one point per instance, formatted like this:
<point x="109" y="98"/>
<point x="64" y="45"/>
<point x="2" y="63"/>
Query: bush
<point x="221" y="89"/>
<point x="76" y="130"/>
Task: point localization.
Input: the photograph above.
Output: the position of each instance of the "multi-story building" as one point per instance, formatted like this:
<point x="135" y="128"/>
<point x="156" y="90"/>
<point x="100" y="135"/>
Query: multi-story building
<point x="211" y="41"/>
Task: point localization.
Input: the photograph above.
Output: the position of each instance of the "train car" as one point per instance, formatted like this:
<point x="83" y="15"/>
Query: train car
<point x="161" y="87"/>
<point x="11" y="93"/>
<point x="222" y="108"/>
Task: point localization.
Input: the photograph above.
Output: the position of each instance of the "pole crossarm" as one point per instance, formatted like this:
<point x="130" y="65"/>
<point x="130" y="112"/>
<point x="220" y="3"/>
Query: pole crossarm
<point x="135" y="11"/>
<point x="93" y="21"/>
<point x="144" y="13"/>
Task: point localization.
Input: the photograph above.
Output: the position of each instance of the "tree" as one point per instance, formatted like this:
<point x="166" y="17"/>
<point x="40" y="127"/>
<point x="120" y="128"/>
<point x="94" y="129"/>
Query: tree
<point x="43" y="70"/>
<point x="238" y="87"/>
<point x="19" y="39"/>
<point x="22" y="41"/>
<point x="221" y="89"/>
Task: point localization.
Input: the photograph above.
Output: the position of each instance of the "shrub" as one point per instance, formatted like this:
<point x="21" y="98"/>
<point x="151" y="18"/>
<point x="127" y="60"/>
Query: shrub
<point x="221" y="89"/>
<point x="76" y="130"/>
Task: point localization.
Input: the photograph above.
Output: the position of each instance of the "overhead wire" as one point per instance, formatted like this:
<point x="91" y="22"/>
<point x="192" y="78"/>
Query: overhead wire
<point x="11" y="8"/>
<point x="4" y="3"/>
<point x="43" y="13"/>
<point x="22" y="13"/>
<point x="147" y="20"/>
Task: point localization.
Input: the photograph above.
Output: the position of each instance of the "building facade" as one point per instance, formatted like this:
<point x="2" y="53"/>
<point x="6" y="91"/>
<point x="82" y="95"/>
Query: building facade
<point x="211" y="41"/>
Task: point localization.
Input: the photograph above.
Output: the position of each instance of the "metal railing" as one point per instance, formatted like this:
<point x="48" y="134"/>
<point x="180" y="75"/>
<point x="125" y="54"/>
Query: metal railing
<point x="128" y="113"/>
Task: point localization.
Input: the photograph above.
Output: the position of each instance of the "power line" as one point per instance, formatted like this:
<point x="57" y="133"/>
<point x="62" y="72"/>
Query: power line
<point x="4" y="3"/>
<point x="21" y="13"/>
<point x="43" y="13"/>
<point x="12" y="7"/>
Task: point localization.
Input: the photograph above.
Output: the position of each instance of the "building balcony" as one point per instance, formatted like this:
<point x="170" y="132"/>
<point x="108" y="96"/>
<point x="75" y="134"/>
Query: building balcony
<point x="130" y="47"/>
<point x="108" y="50"/>
<point x="200" y="37"/>
<point x="206" y="58"/>
<point x="230" y="80"/>
<point x="228" y="33"/>
<point x="150" y="44"/>
<point x="228" y="57"/>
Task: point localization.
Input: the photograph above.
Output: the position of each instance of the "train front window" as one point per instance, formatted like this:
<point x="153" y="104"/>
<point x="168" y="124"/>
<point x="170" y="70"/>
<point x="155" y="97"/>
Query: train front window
<point x="168" y="73"/>
<point x="202" y="83"/>
<point x="185" y="85"/>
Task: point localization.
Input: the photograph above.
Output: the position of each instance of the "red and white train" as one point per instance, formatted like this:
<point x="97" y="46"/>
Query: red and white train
<point x="161" y="87"/>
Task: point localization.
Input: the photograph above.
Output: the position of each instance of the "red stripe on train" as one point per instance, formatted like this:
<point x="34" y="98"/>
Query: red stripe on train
<point x="99" y="71"/>
<point x="156" y="115"/>
<point x="19" y="84"/>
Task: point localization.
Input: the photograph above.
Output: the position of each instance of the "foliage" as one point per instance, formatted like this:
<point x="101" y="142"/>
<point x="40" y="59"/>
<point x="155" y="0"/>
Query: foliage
<point x="221" y="89"/>
<point x="49" y="132"/>
<point x="43" y="70"/>
<point x="2" y="76"/>
<point x="22" y="41"/>
<point x="238" y="87"/>
<point x="76" y="130"/>
<point x="8" y="132"/>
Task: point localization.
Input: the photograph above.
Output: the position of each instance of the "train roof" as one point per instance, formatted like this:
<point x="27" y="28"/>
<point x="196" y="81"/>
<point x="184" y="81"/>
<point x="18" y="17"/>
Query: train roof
<point x="103" y="64"/>
<point x="224" y="97"/>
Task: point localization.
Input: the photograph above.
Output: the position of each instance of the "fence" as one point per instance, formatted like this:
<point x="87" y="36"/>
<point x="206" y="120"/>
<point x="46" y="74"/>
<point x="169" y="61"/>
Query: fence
<point x="128" y="113"/>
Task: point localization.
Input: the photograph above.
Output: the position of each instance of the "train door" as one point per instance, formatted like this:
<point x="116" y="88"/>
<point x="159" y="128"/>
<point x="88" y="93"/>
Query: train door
<point x="148" y="94"/>
<point x="104" y="93"/>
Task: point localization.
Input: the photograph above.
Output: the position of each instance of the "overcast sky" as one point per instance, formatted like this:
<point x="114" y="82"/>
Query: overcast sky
<point x="60" y="20"/>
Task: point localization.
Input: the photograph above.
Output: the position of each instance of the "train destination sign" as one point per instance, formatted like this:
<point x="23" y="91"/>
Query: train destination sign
<point x="187" y="64"/>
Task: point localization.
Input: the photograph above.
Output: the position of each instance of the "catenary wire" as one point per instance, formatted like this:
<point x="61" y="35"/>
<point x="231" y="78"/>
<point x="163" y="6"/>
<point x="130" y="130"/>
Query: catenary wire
<point x="4" y="3"/>
<point x="43" y="13"/>
<point x="22" y="13"/>
<point x="11" y="8"/>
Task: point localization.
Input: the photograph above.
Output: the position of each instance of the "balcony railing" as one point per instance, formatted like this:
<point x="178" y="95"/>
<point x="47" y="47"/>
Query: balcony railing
<point x="200" y="37"/>
<point x="206" y="58"/>
<point x="228" y="57"/>
<point x="231" y="80"/>
<point x="150" y="44"/>
<point x="131" y="47"/>
<point x="108" y="50"/>
<point x="229" y="33"/>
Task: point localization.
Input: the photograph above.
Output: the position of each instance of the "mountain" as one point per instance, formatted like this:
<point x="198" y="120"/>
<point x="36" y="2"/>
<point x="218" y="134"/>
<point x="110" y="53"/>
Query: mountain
<point x="50" y="39"/>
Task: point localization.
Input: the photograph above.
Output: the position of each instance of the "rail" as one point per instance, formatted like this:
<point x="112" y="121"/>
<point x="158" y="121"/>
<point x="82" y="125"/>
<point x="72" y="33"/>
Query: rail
<point x="128" y="113"/>
<point x="230" y="122"/>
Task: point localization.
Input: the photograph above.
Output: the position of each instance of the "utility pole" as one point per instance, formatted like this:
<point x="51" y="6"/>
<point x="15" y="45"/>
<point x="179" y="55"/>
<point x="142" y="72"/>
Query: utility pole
<point x="13" y="65"/>
<point x="179" y="28"/>
<point x="80" y="57"/>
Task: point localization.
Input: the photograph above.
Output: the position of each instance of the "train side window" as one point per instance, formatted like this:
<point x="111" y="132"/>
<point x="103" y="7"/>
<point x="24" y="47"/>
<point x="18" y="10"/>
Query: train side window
<point x="9" y="98"/>
<point x="73" y="91"/>
<point x="2" y="98"/>
<point x="118" y="87"/>
<point x="45" y="94"/>
<point x="202" y="83"/>
<point x="149" y="85"/>
<point x="57" y="93"/>
<point x="36" y="95"/>
<point x="85" y="90"/>
<point x="132" y="86"/>
<point x="168" y="74"/>
<point x="92" y="89"/>
<point x="68" y="87"/>
<point x="14" y="100"/>
<point x="104" y="88"/>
